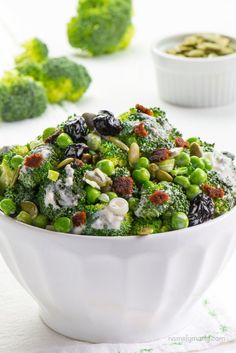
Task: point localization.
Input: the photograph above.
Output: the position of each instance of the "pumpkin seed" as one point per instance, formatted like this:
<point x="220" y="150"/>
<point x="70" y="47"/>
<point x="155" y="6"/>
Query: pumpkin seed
<point x="195" y="150"/>
<point x="117" y="142"/>
<point x="30" y="208"/>
<point x="133" y="154"/>
<point x="163" y="176"/>
<point x="195" y="53"/>
<point x="145" y="231"/>
<point x="65" y="162"/>
<point x="153" y="168"/>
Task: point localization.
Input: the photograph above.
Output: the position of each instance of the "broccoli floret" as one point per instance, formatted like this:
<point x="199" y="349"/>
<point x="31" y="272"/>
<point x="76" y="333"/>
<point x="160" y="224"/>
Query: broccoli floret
<point x="7" y="173"/>
<point x="109" y="150"/>
<point x="19" y="193"/>
<point x="93" y="213"/>
<point x="32" y="176"/>
<point x="64" y="79"/>
<point x="30" y="68"/>
<point x="160" y="132"/>
<point x="177" y="201"/>
<point x="60" y="198"/>
<point x="120" y="172"/>
<point x="101" y="27"/>
<point x="34" y="50"/>
<point x="21" y="97"/>
<point x="143" y="226"/>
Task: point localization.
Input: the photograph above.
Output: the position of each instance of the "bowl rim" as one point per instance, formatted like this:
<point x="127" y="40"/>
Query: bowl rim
<point x="155" y="47"/>
<point x="170" y="234"/>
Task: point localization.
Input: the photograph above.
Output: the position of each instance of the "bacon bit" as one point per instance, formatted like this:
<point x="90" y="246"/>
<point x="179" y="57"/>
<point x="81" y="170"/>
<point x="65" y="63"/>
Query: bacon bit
<point x="140" y="130"/>
<point x="159" y="197"/>
<point x="160" y="155"/>
<point x="78" y="163"/>
<point x="123" y="186"/>
<point x="79" y="219"/>
<point x="213" y="192"/>
<point x="144" y="110"/>
<point x="34" y="160"/>
<point x="179" y="141"/>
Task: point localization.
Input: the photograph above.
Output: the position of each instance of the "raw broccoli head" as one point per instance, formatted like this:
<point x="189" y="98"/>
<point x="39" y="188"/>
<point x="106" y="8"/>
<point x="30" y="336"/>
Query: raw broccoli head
<point x="64" y="79"/>
<point x="21" y="97"/>
<point x="93" y="213"/>
<point x="160" y="133"/>
<point x="30" y="68"/>
<point x="144" y="226"/>
<point x="64" y="197"/>
<point x="109" y="150"/>
<point x="34" y="50"/>
<point x="30" y="176"/>
<point x="177" y="201"/>
<point x="102" y="26"/>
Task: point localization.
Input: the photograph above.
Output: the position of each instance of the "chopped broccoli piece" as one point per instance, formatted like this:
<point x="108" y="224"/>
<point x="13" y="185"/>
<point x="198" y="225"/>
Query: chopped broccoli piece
<point x="19" y="193"/>
<point x="64" y="79"/>
<point x="21" y="97"/>
<point x="34" y="50"/>
<point x="109" y="150"/>
<point x="144" y="226"/>
<point x="177" y="201"/>
<point x="32" y="176"/>
<point x="7" y="173"/>
<point x="101" y="27"/>
<point x="30" y="68"/>
<point x="120" y="172"/>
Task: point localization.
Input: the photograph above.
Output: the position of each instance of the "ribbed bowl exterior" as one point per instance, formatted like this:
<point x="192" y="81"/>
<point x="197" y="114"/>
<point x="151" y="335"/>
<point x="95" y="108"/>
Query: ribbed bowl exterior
<point x="194" y="82"/>
<point x="121" y="289"/>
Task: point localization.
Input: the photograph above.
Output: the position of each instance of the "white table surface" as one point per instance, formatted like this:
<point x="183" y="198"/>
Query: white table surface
<point x="119" y="82"/>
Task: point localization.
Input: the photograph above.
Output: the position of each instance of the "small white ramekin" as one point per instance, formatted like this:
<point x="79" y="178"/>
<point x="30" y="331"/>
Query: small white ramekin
<point x="194" y="82"/>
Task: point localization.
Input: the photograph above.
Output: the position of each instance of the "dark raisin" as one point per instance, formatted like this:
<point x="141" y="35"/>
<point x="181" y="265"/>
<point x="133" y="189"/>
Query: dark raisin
<point x="77" y="128"/>
<point x="201" y="210"/>
<point x="76" y="150"/>
<point x="106" y="124"/>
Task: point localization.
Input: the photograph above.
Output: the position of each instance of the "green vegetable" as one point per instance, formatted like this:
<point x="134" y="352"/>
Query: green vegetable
<point x="21" y="97"/>
<point x="193" y="191"/>
<point x="30" y="68"/>
<point x="143" y="162"/>
<point x="16" y="161"/>
<point x="111" y="195"/>
<point x="197" y="162"/>
<point x="179" y="171"/>
<point x="48" y="132"/>
<point x="92" y="194"/>
<point x="198" y="176"/>
<point x="207" y="164"/>
<point x="40" y="221"/>
<point x="145" y="227"/>
<point x="106" y="166"/>
<point x="182" y="180"/>
<point x="8" y="206"/>
<point x="53" y="175"/>
<point x="179" y="220"/>
<point x="24" y="217"/>
<point x="63" y="224"/>
<point x="34" y="50"/>
<point x="101" y="27"/>
<point x="182" y="160"/>
<point x="64" y="140"/>
<point x="63" y="79"/>
<point x="109" y="150"/>
<point x="94" y="141"/>
<point x="141" y="175"/>
<point x="194" y="139"/>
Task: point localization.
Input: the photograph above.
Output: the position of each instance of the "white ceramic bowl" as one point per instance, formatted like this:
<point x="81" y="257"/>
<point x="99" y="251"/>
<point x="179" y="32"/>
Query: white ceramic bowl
<point x="194" y="82"/>
<point x="117" y="289"/>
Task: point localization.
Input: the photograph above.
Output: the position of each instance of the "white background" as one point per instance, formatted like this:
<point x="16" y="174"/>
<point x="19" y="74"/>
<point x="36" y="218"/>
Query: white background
<point x="119" y="82"/>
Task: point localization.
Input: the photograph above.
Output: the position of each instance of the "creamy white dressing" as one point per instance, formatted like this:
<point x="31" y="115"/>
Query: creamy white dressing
<point x="50" y="197"/>
<point x="69" y="175"/>
<point x="78" y="230"/>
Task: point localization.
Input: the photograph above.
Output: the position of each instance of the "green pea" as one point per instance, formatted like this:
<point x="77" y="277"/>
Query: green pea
<point x="64" y="140"/>
<point x="16" y="161"/>
<point x="182" y="160"/>
<point x="133" y="203"/>
<point x="179" y="220"/>
<point x="179" y="171"/>
<point x="93" y="141"/>
<point x="92" y="194"/>
<point x="48" y="132"/>
<point x="207" y="164"/>
<point x="112" y="195"/>
<point x="106" y="166"/>
<point x="24" y="217"/>
<point x="141" y="175"/>
<point x="148" y="184"/>
<point x="197" y="162"/>
<point x="63" y="224"/>
<point x="182" y="180"/>
<point x="142" y="162"/>
<point x="194" y="139"/>
<point x="131" y="140"/>
<point x="198" y="176"/>
<point x="40" y="221"/>
<point x="8" y="207"/>
<point x="193" y="191"/>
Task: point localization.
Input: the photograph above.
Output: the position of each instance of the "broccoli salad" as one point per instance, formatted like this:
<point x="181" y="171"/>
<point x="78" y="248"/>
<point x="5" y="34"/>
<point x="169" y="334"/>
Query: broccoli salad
<point x="97" y="174"/>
